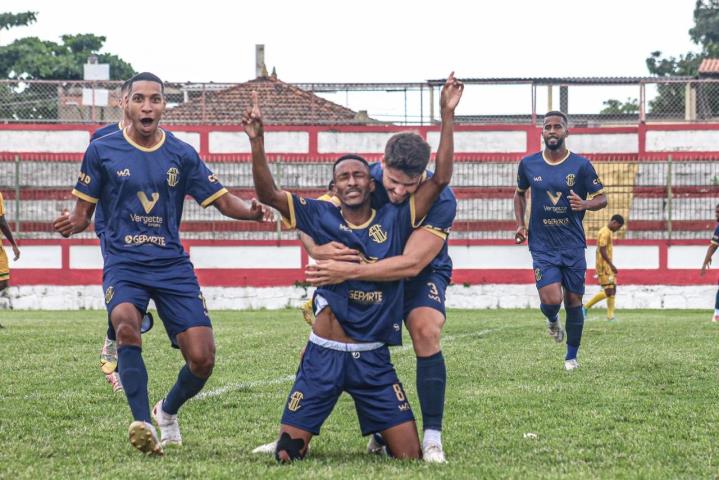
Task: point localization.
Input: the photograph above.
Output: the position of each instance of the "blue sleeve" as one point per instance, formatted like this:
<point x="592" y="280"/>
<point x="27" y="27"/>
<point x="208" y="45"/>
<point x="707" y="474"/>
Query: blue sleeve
<point x="89" y="183"/>
<point x="201" y="183"/>
<point x="441" y="216"/>
<point x="306" y="214"/>
<point x="522" y="180"/>
<point x="592" y="183"/>
<point x="715" y="237"/>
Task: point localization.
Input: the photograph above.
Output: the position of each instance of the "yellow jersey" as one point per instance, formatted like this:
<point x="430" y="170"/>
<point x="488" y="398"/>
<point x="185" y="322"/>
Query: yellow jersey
<point x="604" y="239"/>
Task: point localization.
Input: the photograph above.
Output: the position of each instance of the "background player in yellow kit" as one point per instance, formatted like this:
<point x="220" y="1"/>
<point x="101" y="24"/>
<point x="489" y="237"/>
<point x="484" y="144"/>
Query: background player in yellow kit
<point x="606" y="271"/>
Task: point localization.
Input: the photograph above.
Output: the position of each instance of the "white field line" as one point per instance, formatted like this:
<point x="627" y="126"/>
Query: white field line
<point x="232" y="387"/>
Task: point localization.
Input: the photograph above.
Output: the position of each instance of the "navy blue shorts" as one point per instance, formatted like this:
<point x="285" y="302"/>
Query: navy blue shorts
<point x="174" y="290"/>
<point x="425" y="290"/>
<point x="369" y="377"/>
<point x="567" y="267"/>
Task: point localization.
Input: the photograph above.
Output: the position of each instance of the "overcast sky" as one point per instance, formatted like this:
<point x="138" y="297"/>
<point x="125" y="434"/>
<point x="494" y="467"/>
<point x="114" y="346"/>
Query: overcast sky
<point x="371" y="40"/>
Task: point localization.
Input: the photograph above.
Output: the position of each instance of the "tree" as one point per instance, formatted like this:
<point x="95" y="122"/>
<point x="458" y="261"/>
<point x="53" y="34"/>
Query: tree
<point x="31" y="58"/>
<point x="615" y="107"/>
<point x="705" y="33"/>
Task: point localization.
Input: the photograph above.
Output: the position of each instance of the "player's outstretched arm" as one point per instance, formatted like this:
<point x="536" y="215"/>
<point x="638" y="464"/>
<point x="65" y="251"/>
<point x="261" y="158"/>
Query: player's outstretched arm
<point x="5" y="228"/>
<point x="76" y="221"/>
<point x="708" y="258"/>
<point x="267" y="191"/>
<point x="233" y="206"/>
<point x="419" y="251"/>
<point x="428" y="192"/>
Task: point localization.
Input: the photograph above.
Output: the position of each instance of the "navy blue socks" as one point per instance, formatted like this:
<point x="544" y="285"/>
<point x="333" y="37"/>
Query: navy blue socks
<point x="574" y="327"/>
<point x="187" y="386"/>
<point x="133" y="375"/>
<point x="431" y="385"/>
<point x="550" y="311"/>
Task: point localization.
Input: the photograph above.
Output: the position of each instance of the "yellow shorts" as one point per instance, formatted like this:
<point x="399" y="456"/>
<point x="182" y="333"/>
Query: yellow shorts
<point x="4" y="266"/>
<point x="606" y="278"/>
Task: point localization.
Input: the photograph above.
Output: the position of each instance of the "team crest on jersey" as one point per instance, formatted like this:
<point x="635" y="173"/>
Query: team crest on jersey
<point x="554" y="197"/>
<point x="377" y="234"/>
<point x="109" y="293"/>
<point x="148" y="204"/>
<point x="570" y="179"/>
<point x="295" y="399"/>
<point x="537" y="274"/>
<point x="173" y="176"/>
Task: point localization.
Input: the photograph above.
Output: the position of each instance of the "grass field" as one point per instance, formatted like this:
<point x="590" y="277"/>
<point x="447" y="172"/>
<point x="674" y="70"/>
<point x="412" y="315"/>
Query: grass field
<point x="642" y="405"/>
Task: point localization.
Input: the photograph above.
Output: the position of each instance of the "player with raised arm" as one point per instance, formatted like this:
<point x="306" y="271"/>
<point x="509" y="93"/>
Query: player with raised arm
<point x="140" y="176"/>
<point x="563" y="186"/>
<point x="356" y="320"/>
<point x="708" y="261"/>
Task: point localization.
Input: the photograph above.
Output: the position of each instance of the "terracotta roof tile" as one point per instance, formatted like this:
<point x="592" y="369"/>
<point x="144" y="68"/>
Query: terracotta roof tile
<point x="281" y="104"/>
<point x="709" y="65"/>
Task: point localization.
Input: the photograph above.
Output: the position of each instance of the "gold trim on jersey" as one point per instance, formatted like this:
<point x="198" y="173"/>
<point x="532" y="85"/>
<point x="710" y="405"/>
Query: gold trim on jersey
<point x="554" y="164"/>
<point x="521" y="190"/>
<point x="413" y="213"/>
<point x="292" y="221"/>
<point x="140" y="147"/>
<point x="714" y="242"/>
<point x="592" y="195"/>
<point x="435" y="231"/>
<point x="84" y="196"/>
<point x="364" y="225"/>
<point x="208" y="201"/>
<point x="2" y="205"/>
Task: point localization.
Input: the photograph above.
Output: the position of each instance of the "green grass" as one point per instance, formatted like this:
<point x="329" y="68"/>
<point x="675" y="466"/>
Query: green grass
<point x="642" y="405"/>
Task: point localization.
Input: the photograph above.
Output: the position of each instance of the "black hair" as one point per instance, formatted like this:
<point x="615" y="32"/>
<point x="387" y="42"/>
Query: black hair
<point x="330" y="185"/>
<point x="126" y="86"/>
<point x="557" y="113"/>
<point x="349" y="156"/>
<point x="618" y="218"/>
<point x="407" y="152"/>
<point x="146" y="77"/>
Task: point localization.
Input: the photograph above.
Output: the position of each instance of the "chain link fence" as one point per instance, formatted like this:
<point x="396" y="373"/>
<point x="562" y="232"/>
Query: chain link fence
<point x="589" y="102"/>
<point x="659" y="200"/>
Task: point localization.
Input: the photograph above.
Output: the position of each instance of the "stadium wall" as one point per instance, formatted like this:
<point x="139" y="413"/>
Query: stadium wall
<point x="268" y="274"/>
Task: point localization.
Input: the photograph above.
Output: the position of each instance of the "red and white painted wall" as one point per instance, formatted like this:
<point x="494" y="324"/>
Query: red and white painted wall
<point x="57" y="273"/>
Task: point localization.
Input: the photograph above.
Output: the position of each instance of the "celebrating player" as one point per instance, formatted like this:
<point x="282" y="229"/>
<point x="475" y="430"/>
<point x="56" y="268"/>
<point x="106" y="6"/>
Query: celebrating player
<point x="140" y="176"/>
<point x="606" y="271"/>
<point x="353" y="316"/>
<point x="563" y="185"/>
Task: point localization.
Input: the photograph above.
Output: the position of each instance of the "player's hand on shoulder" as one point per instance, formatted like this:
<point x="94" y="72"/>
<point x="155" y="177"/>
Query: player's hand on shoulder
<point x="576" y="202"/>
<point x="252" y="119"/>
<point x="451" y="93"/>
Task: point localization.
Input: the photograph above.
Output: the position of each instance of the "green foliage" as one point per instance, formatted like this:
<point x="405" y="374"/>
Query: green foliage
<point x="642" y="405"/>
<point x="616" y="107"/>
<point x="9" y="20"/>
<point x="31" y="58"/>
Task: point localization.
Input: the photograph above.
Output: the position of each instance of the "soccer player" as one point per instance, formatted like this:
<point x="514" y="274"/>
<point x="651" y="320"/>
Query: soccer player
<point x="563" y="186"/>
<point x="605" y="268"/>
<point x="353" y="316"/>
<point x="426" y="265"/>
<point x="4" y="265"/>
<point x="708" y="261"/>
<point x="141" y="176"/>
<point x="108" y="352"/>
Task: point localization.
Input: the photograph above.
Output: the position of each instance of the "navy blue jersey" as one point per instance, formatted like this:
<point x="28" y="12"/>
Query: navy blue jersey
<point x="438" y="221"/>
<point x="142" y="192"/>
<point x="106" y="130"/>
<point x="715" y="237"/>
<point x="552" y="223"/>
<point x="367" y="311"/>
<point x="99" y="133"/>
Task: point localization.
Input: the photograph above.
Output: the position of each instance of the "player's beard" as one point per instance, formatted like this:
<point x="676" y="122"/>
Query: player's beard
<point x="556" y="146"/>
